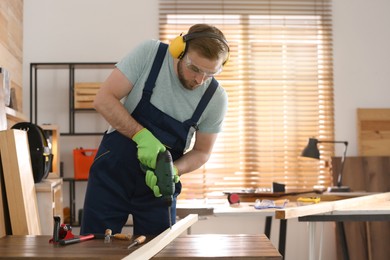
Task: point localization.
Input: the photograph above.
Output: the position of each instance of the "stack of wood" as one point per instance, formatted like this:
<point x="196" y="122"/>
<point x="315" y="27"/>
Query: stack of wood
<point x="84" y="94"/>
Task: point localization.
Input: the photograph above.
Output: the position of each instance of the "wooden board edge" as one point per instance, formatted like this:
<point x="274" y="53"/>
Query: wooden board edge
<point x="326" y="207"/>
<point x="154" y="246"/>
<point x="19" y="183"/>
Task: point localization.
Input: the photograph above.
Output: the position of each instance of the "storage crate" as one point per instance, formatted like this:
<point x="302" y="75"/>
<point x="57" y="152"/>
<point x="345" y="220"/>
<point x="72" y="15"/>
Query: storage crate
<point x="83" y="159"/>
<point x="84" y="94"/>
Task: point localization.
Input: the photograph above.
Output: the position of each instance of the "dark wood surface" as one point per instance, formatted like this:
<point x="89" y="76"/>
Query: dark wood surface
<point x="184" y="247"/>
<point x="221" y="247"/>
<point x="366" y="240"/>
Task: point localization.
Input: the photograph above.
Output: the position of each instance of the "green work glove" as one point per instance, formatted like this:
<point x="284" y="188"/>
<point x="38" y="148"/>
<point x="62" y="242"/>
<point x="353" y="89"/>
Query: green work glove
<point x="148" y="147"/>
<point x="176" y="177"/>
<point x="151" y="181"/>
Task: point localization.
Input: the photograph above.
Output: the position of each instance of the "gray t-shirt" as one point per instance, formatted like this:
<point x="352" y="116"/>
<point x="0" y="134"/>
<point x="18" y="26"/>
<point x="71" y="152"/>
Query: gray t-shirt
<point x="169" y="95"/>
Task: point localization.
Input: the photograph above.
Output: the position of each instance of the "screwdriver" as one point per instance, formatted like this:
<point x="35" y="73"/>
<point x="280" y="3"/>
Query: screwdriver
<point x="137" y="241"/>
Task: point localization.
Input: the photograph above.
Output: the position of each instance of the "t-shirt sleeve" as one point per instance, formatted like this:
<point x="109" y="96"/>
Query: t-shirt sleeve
<point x="135" y="63"/>
<point x="217" y="109"/>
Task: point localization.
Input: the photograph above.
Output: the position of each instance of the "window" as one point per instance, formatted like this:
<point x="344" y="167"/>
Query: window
<point x="279" y="80"/>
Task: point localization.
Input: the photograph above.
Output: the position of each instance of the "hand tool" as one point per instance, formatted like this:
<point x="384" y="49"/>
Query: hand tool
<point x="308" y="200"/>
<point x="108" y="234"/>
<point x="60" y="231"/>
<point x="165" y="179"/>
<point x="56" y="229"/>
<point x="62" y="234"/>
<point x="137" y="241"/>
<point x="76" y="239"/>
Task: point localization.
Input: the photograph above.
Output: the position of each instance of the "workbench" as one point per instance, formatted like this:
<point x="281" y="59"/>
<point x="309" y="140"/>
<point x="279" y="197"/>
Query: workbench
<point x="247" y="209"/>
<point x="183" y="247"/>
<point x="375" y="207"/>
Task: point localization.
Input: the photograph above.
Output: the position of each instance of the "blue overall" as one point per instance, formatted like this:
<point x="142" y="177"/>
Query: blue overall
<point x="116" y="185"/>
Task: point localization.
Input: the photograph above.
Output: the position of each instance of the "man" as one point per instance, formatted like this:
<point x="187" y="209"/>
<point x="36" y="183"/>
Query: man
<point x="155" y="99"/>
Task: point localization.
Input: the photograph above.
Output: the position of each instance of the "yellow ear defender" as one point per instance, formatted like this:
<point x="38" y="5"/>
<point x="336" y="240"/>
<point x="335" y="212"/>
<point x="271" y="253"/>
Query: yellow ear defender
<point x="178" y="46"/>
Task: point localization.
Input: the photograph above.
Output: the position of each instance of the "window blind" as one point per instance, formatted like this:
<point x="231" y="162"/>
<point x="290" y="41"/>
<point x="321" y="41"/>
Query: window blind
<point x="279" y="80"/>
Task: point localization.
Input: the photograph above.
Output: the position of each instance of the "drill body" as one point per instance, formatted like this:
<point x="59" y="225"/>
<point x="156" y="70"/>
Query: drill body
<point x="165" y="179"/>
<point x="165" y="176"/>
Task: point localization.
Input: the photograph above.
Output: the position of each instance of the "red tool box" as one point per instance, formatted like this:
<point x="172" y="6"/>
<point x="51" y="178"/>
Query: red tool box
<point x="83" y="159"/>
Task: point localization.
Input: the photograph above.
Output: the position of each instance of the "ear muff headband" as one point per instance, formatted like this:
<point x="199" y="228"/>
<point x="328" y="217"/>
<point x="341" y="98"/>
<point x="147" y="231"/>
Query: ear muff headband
<point x="178" y="46"/>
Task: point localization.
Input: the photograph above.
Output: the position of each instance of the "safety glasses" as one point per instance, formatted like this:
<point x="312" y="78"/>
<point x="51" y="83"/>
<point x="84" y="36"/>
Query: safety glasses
<point x="195" y="69"/>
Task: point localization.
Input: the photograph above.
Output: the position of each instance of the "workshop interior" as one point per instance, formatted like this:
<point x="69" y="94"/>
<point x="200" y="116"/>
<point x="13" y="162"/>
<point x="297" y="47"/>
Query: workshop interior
<point x="300" y="170"/>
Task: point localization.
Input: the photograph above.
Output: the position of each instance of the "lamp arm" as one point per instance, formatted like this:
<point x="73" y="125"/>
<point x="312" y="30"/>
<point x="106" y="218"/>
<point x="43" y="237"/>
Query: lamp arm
<point x="340" y="177"/>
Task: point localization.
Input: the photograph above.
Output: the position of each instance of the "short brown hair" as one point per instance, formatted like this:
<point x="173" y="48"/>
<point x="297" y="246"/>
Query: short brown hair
<point x="209" y="47"/>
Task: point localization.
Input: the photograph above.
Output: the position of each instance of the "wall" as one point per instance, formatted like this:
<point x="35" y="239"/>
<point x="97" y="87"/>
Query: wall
<point x="98" y="30"/>
<point x="79" y="31"/>
<point x="361" y="63"/>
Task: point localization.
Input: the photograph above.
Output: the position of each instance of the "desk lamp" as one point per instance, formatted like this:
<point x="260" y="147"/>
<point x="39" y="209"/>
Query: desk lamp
<point x="311" y="151"/>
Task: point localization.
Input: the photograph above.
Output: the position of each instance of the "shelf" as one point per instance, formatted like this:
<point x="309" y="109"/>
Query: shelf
<point x="81" y="134"/>
<point x="49" y="198"/>
<point x="14" y="115"/>
<point x="72" y="198"/>
<point x="57" y="65"/>
<point x="72" y="68"/>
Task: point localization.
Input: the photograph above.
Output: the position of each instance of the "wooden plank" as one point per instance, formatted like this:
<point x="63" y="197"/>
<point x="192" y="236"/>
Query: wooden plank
<point x="373" y="126"/>
<point x="324" y="207"/>
<point x="3" y="117"/>
<point x="368" y="173"/>
<point x="3" y="210"/>
<point x="154" y="246"/>
<point x="19" y="183"/>
<point x="372" y="174"/>
<point x="85" y="93"/>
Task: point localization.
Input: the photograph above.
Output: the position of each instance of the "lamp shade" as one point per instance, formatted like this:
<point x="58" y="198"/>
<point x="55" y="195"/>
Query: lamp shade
<point x="311" y="150"/>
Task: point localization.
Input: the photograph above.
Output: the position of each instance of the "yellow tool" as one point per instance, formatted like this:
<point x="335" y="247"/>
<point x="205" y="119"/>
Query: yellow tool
<point x="308" y="200"/>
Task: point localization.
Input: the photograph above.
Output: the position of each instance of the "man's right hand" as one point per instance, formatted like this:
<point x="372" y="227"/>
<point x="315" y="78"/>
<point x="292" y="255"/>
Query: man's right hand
<point x="148" y="147"/>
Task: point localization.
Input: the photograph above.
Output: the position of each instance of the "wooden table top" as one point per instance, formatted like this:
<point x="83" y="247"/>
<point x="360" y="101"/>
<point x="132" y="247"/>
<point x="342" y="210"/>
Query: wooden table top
<point x="183" y="247"/>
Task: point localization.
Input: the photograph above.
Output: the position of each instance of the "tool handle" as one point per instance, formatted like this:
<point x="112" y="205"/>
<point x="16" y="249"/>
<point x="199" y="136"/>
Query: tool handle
<point x="76" y="240"/>
<point x="140" y="239"/>
<point x="137" y="241"/>
<point x="56" y="230"/>
<point x="122" y="236"/>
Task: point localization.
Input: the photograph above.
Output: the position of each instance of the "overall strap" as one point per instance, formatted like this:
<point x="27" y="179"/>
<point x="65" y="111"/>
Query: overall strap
<point x="155" y="70"/>
<point x="204" y="102"/>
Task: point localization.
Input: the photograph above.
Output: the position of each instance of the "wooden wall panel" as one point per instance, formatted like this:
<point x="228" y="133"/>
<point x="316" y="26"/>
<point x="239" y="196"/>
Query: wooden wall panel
<point x="366" y="240"/>
<point x="11" y="58"/>
<point x="11" y="45"/>
<point x="373" y="131"/>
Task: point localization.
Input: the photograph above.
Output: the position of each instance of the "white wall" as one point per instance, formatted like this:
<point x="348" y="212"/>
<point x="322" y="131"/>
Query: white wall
<point x="103" y="30"/>
<point x="361" y="63"/>
<point x="79" y="31"/>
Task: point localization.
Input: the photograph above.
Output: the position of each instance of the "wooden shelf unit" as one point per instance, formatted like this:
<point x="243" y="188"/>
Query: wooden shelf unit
<point x="49" y="197"/>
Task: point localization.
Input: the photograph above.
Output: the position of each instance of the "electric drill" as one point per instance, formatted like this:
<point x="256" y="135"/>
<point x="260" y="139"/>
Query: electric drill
<point x="165" y="176"/>
<point x="165" y="179"/>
